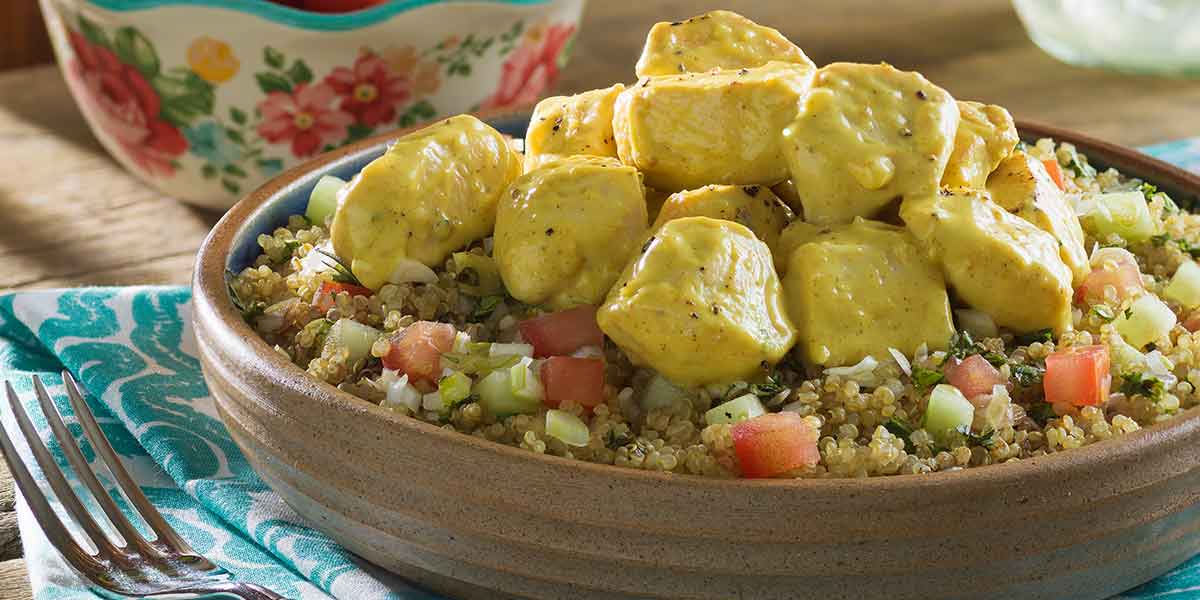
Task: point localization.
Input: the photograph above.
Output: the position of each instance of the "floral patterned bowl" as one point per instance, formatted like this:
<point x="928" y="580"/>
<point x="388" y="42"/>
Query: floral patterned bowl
<point x="206" y="99"/>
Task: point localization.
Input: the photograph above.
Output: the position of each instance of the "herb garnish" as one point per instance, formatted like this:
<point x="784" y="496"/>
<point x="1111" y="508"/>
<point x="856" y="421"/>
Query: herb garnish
<point x="1041" y="335"/>
<point x="1041" y="412"/>
<point x="1104" y="312"/>
<point x="487" y="305"/>
<point x="987" y="439"/>
<point x="1134" y="383"/>
<point x="341" y="270"/>
<point x="926" y="378"/>
<point x="768" y="389"/>
<point x="901" y="429"/>
<point x="1184" y="246"/>
<point x="1027" y="375"/>
<point x="1080" y="168"/>
<point x="249" y="310"/>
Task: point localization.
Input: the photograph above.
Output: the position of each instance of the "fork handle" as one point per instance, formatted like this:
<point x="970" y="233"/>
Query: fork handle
<point x="235" y="589"/>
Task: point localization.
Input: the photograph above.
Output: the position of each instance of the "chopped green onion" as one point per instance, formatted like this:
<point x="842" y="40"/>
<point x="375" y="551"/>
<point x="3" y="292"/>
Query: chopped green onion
<point x="524" y="382"/>
<point x="1185" y="285"/>
<point x="567" y="428"/>
<point x="746" y="406"/>
<point x="454" y="389"/>
<point x="510" y="350"/>
<point x="322" y="202"/>
<point x="476" y="363"/>
<point x="948" y="412"/>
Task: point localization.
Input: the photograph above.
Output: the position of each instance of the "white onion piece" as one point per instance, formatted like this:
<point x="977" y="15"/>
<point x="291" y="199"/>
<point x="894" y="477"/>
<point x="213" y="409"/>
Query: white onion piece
<point x="863" y="372"/>
<point x="411" y="271"/>
<point x="901" y="360"/>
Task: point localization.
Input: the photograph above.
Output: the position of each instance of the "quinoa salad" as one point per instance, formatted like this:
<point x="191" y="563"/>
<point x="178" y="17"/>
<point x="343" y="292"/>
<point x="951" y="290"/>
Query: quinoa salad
<point x="844" y="272"/>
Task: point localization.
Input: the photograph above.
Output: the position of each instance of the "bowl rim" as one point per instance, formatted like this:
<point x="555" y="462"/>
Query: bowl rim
<point x="286" y="15"/>
<point x="211" y="298"/>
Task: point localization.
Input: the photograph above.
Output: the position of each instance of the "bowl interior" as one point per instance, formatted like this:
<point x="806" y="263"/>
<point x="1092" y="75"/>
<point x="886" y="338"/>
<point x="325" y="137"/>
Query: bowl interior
<point x="293" y="198"/>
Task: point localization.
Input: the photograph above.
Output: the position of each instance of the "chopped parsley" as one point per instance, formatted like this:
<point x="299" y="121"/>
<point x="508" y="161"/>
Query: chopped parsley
<point x="963" y="345"/>
<point x="1134" y="383"/>
<point x="249" y="310"/>
<point x="614" y="440"/>
<point x="926" y="378"/>
<point x="341" y="270"/>
<point x="1041" y="412"/>
<point x="1104" y="312"/>
<point x="1148" y="190"/>
<point x="901" y="429"/>
<point x="1184" y="246"/>
<point x="487" y="305"/>
<point x="987" y="439"/>
<point x="768" y="389"/>
<point x="1027" y="375"/>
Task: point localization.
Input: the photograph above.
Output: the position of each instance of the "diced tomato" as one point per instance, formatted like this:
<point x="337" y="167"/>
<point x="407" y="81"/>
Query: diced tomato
<point x="323" y="300"/>
<point x="1078" y="376"/>
<point x="774" y="443"/>
<point x="973" y="376"/>
<point x="1110" y="266"/>
<point x="1192" y="322"/>
<point x="563" y="332"/>
<point x="1055" y="172"/>
<point x="417" y="350"/>
<point x="577" y="379"/>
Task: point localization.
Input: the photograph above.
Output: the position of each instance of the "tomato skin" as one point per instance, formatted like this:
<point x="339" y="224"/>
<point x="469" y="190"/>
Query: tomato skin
<point x="774" y="443"/>
<point x="1078" y="376"/>
<point x="417" y="350"/>
<point x="563" y="332"/>
<point x="571" y="378"/>
<point x="1055" y="172"/>
<point x="323" y="300"/>
<point x="1110" y="266"/>
<point x="973" y="375"/>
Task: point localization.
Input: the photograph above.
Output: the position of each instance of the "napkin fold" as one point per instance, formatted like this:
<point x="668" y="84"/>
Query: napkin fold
<point x="133" y="351"/>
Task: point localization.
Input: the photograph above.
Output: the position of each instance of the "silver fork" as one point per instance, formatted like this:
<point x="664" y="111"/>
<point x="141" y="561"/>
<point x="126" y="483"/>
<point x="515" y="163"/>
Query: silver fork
<point x="166" y="566"/>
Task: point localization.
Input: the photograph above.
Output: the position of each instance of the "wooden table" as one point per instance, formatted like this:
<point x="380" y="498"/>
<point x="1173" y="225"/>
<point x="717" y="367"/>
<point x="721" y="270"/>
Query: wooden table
<point x="73" y="216"/>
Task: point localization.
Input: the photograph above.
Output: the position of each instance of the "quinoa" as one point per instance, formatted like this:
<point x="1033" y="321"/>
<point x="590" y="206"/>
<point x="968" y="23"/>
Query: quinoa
<point x="868" y="416"/>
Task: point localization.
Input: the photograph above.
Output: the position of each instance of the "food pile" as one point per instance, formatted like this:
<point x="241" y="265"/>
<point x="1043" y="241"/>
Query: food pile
<point x="744" y="265"/>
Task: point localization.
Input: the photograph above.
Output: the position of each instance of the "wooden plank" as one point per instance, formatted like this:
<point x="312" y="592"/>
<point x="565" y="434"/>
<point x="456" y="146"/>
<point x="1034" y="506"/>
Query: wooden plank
<point x="14" y="581"/>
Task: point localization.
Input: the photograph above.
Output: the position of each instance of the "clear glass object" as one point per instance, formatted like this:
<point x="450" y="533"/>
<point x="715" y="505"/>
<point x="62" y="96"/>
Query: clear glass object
<point x="1143" y="36"/>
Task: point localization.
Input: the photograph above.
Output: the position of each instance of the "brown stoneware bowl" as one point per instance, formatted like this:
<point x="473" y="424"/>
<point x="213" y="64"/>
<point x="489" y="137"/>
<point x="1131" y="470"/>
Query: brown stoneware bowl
<point x="474" y="519"/>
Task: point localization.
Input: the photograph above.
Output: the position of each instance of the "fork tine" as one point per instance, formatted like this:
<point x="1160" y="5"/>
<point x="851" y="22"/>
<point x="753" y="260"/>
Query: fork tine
<point x="137" y="499"/>
<point x="84" y="471"/>
<point x="58" y="482"/>
<point x="47" y="519"/>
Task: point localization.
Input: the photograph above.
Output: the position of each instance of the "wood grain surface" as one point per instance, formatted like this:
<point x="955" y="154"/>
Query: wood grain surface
<point x="74" y="217"/>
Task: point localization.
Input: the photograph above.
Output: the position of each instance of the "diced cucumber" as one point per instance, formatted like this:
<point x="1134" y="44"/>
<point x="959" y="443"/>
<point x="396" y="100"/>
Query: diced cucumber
<point x="661" y="393"/>
<point x="496" y="396"/>
<point x="322" y="202"/>
<point x="477" y="274"/>
<point x="1146" y="320"/>
<point x="1185" y="285"/>
<point x="510" y="350"/>
<point x="1123" y="213"/>
<point x="356" y="337"/>
<point x="453" y="389"/>
<point x="568" y="428"/>
<point x="746" y="406"/>
<point x="524" y="382"/>
<point x="949" y="411"/>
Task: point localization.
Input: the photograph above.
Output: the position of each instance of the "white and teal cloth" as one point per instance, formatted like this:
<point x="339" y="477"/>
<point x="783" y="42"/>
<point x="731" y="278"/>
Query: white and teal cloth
<point x="133" y="351"/>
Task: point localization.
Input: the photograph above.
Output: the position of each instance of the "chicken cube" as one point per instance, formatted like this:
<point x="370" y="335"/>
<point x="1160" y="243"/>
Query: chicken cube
<point x="691" y="130"/>
<point x="579" y="124"/>
<point x="719" y="39"/>
<point x="866" y="136"/>
<point x="754" y="206"/>
<point x="565" y="230"/>
<point x="855" y="290"/>
<point x="434" y="191"/>
<point x="1023" y="187"/>
<point x="700" y="289"/>
<point x="996" y="262"/>
<point x="986" y="135"/>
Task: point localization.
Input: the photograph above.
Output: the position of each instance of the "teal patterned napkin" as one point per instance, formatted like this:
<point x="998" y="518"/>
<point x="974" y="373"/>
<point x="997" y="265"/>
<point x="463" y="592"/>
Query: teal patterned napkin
<point x="132" y="350"/>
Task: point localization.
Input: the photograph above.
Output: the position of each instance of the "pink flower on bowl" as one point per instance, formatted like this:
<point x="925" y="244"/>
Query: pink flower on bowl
<point x="532" y="67"/>
<point x="370" y="90"/>
<point x="303" y="117"/>
<point x="124" y="106"/>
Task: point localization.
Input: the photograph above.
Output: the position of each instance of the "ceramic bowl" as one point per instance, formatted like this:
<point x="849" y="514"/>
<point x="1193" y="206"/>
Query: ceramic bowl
<point x="207" y="99"/>
<point x="475" y="519"/>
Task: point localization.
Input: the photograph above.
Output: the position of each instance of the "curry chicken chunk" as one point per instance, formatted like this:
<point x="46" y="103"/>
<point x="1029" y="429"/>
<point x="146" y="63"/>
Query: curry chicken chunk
<point x="854" y="290"/>
<point x="700" y="304"/>
<point x="754" y="206"/>
<point x="719" y="39"/>
<point x="579" y="124"/>
<point x="719" y="127"/>
<point x="433" y="192"/>
<point x="996" y="262"/>
<point x="566" y="229"/>
<point x="866" y="136"/>
<point x="1023" y="187"/>
<point x="986" y="135"/>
